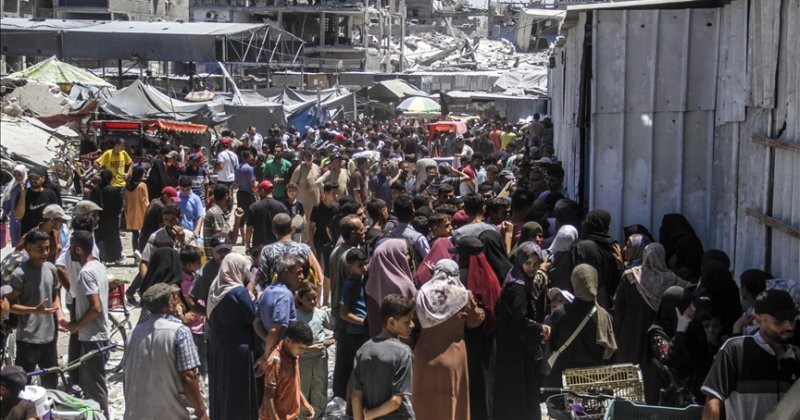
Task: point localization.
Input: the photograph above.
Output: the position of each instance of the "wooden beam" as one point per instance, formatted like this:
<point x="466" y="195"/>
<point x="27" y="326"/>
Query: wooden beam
<point x="773" y="223"/>
<point x="777" y="144"/>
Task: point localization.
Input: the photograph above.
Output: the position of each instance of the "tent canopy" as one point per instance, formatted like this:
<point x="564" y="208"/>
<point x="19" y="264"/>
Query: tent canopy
<point x="54" y="71"/>
<point x="394" y="91"/>
<point x="143" y="101"/>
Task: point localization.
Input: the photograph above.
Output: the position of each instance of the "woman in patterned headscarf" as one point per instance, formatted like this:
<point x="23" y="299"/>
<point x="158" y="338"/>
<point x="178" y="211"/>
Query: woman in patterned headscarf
<point x="441" y="379"/>
<point x="637" y="300"/>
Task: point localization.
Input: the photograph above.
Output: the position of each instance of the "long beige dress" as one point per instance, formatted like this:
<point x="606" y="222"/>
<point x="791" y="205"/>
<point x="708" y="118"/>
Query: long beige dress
<point x="305" y="177"/>
<point x="441" y="379"/>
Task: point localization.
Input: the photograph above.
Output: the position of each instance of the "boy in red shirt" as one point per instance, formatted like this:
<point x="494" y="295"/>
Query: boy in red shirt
<point x="282" y="396"/>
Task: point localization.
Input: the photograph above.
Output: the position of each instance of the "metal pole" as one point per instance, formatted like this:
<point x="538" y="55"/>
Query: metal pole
<point x="119" y="72"/>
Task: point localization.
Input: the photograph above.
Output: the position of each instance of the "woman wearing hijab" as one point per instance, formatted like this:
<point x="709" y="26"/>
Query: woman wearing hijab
<point x="683" y="247"/>
<point x="164" y="267"/>
<point x="531" y="231"/>
<point x="560" y="257"/>
<point x="667" y="343"/>
<point x="519" y="336"/>
<point x="717" y="284"/>
<point x="602" y="252"/>
<point x="440" y="250"/>
<point x="634" y="248"/>
<point x="495" y="251"/>
<point x="637" y="301"/>
<point x="441" y="379"/>
<point x="389" y="272"/>
<point x="595" y="343"/>
<point x="230" y="315"/>
<point x="109" y="198"/>
<point x="10" y="197"/>
<point x="135" y="202"/>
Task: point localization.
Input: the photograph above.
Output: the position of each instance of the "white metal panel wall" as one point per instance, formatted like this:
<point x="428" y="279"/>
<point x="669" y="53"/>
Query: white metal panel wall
<point x="785" y="261"/>
<point x="653" y="101"/>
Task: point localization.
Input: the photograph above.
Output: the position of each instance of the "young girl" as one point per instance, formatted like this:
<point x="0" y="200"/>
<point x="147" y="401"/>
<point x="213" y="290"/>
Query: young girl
<point x="192" y="316"/>
<point x="135" y="204"/>
<point x="314" y="361"/>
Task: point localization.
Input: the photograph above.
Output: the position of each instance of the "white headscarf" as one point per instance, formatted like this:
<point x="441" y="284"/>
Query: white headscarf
<point x="442" y="296"/>
<point x="565" y="237"/>
<point x="232" y="272"/>
<point x="10" y="186"/>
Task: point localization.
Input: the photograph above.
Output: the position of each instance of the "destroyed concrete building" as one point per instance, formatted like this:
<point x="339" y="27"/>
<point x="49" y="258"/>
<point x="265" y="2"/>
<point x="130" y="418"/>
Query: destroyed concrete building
<point x="141" y="10"/>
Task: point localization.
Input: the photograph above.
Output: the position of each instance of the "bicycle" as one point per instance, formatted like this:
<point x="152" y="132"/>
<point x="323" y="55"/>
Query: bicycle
<point x="62" y="370"/>
<point x="602" y="404"/>
<point x="119" y="317"/>
<point x="566" y="404"/>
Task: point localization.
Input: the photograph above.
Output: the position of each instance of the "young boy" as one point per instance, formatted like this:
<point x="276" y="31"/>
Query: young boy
<point x="314" y="361"/>
<point x="193" y="316"/>
<point x="282" y="396"/>
<point x="382" y="386"/>
<point x="353" y="312"/>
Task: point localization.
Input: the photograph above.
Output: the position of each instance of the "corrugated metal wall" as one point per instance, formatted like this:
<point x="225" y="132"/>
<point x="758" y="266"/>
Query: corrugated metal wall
<point x="676" y="97"/>
<point x="653" y="115"/>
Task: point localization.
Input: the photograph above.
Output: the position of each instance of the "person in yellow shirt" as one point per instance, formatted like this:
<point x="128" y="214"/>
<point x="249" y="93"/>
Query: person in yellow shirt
<point x="118" y="161"/>
<point x="507" y="137"/>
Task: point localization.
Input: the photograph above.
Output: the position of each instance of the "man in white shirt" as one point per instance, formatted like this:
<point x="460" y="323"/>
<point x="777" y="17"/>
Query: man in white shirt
<point x="255" y="139"/>
<point x="227" y="161"/>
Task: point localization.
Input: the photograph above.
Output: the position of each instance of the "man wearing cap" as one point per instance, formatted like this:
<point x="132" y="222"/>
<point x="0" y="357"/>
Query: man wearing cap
<point x="197" y="172"/>
<point x="245" y="145"/>
<point x="53" y="218"/>
<point x="91" y="316"/>
<point x="171" y="235"/>
<point x="161" y="361"/>
<point x="262" y="212"/>
<point x="219" y="245"/>
<point x="118" y="162"/>
<point x="33" y="200"/>
<point x="227" y="161"/>
<point x="751" y="374"/>
<point x="12" y="382"/>
<point x="36" y="300"/>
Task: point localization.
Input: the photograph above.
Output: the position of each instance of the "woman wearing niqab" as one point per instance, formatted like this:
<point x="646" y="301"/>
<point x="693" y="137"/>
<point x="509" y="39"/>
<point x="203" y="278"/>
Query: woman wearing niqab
<point x="600" y="250"/>
<point x="441" y="380"/>
<point x="637" y="301"/>
<point x="684" y="250"/>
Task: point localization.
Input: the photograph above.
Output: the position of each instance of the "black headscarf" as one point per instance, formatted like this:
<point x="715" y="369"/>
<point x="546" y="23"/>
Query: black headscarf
<point x="716" y="255"/>
<point x="136" y="177"/>
<point x="495" y="251"/>
<point x="597" y="250"/>
<point x="164" y="267"/>
<point x="667" y="319"/>
<point x="718" y="285"/>
<point x="684" y="251"/>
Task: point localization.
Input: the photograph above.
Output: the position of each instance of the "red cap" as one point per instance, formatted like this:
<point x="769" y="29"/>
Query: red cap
<point x="460" y="218"/>
<point x="340" y="136"/>
<point x="265" y="185"/>
<point x="171" y="192"/>
<point x="226" y="141"/>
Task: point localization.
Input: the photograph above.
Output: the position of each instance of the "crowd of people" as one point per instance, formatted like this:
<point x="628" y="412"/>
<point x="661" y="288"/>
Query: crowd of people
<point x="452" y="278"/>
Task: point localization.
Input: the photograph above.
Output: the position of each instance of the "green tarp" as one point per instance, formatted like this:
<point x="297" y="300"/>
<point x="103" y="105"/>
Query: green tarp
<point x="54" y="71"/>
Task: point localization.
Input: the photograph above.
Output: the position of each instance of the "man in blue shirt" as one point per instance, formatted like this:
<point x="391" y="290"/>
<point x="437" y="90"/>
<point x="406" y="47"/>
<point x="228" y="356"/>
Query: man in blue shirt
<point x="276" y="306"/>
<point x="245" y="194"/>
<point x="192" y="208"/>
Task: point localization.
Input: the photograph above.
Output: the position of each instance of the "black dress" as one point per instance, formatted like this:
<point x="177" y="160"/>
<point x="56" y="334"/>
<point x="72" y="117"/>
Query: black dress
<point x="107" y="234"/>
<point x="231" y="378"/>
<point x="519" y="353"/>
<point x="584" y="351"/>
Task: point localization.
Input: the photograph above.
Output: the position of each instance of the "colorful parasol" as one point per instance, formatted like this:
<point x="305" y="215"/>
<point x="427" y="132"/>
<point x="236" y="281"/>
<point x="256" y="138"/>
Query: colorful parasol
<point x="419" y="105"/>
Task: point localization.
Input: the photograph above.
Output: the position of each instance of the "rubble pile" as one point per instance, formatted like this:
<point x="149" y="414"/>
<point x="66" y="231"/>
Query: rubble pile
<point x="440" y="52"/>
